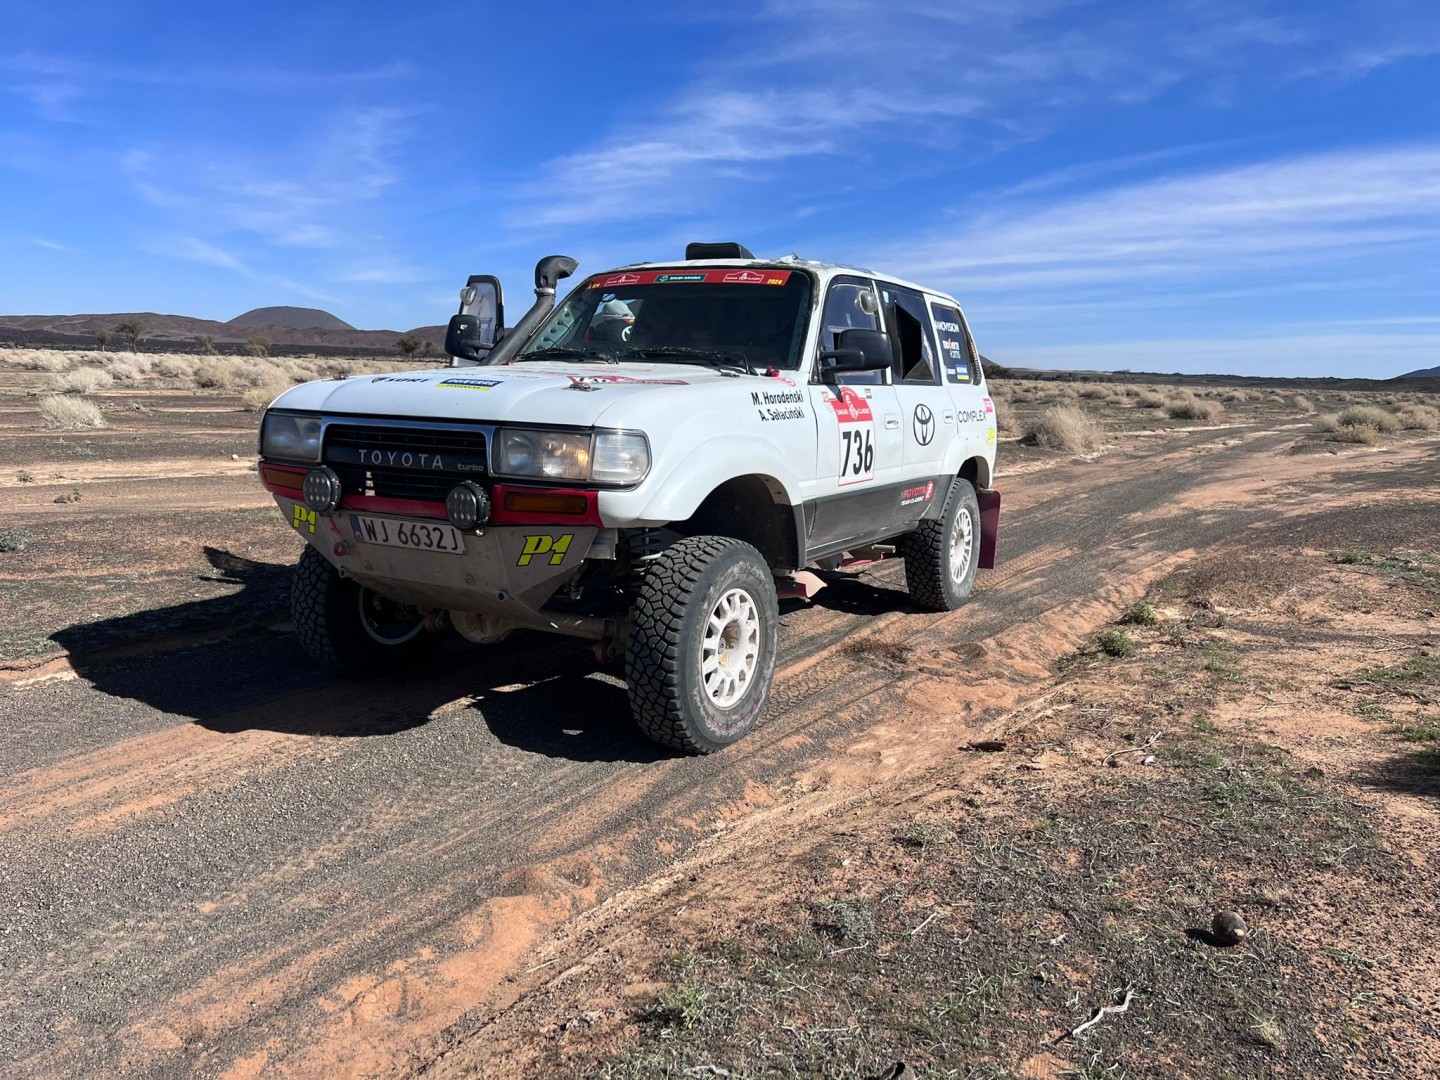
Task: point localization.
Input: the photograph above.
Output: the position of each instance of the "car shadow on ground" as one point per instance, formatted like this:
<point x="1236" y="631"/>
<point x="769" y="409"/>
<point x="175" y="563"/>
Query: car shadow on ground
<point x="853" y="595"/>
<point x="536" y="692"/>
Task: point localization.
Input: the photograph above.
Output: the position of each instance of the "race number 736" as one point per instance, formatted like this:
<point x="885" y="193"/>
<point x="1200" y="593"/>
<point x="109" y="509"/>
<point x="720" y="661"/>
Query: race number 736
<point x="857" y="452"/>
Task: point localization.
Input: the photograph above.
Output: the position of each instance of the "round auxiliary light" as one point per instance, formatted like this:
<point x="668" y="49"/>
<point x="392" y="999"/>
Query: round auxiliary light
<point x="467" y="506"/>
<point x="322" y="489"/>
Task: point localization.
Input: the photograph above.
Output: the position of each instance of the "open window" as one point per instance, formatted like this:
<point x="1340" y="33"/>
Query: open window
<point x="910" y="337"/>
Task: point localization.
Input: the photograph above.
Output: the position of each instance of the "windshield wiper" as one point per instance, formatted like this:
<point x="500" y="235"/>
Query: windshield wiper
<point x="713" y="357"/>
<point x="598" y="356"/>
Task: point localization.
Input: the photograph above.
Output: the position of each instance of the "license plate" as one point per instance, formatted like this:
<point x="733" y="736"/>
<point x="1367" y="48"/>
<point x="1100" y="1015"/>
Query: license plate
<point x="419" y="535"/>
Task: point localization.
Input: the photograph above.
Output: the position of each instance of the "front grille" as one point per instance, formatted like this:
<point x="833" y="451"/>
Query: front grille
<point x="403" y="462"/>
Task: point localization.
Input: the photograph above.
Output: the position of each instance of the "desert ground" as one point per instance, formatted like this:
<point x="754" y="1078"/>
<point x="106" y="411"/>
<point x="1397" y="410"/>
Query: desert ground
<point x="1204" y="676"/>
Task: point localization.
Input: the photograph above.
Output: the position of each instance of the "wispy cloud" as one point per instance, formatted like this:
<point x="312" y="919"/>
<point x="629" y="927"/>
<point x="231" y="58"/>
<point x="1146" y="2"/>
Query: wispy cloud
<point x="1266" y="215"/>
<point x="955" y="79"/>
<point x="49" y="245"/>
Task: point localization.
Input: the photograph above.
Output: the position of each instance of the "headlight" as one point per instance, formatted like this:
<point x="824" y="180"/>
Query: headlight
<point x="546" y="455"/>
<point x="607" y="457"/>
<point x="288" y="436"/>
<point x="621" y="457"/>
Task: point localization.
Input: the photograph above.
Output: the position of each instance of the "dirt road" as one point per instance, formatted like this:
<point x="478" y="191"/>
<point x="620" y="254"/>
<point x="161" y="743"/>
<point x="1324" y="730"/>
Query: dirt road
<point x="216" y="861"/>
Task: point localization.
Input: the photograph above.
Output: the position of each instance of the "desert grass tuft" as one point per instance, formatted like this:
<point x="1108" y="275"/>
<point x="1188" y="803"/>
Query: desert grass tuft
<point x="1066" y="428"/>
<point x="1187" y="406"/>
<point x="69" y="413"/>
<point x="84" y="381"/>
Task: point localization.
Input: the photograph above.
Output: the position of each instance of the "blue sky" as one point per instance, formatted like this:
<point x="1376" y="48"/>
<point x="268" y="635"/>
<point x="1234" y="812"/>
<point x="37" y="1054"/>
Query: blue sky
<point x="1246" y="187"/>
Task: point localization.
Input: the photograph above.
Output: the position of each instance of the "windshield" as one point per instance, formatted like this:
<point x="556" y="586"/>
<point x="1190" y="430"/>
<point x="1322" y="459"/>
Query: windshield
<point x="753" y="318"/>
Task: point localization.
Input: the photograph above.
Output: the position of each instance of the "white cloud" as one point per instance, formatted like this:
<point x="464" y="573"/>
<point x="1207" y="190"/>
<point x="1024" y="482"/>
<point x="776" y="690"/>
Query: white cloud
<point x="1274" y="214"/>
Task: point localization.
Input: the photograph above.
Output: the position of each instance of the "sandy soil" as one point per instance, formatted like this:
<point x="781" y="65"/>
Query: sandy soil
<point x="218" y="862"/>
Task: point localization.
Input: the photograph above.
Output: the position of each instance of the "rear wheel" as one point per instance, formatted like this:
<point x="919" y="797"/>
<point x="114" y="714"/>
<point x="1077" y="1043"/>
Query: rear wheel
<point x="701" y="652"/>
<point x="942" y="556"/>
<point x="355" y="632"/>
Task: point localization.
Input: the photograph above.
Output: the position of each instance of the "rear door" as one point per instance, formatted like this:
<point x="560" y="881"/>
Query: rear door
<point x="964" y="381"/>
<point x="927" y="413"/>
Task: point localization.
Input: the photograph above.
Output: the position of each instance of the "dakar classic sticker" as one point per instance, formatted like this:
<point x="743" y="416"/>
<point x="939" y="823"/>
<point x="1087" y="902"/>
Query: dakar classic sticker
<point x="856" y="425"/>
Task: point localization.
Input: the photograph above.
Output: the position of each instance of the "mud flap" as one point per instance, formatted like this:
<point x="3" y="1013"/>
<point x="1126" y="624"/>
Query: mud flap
<point x="989" y="527"/>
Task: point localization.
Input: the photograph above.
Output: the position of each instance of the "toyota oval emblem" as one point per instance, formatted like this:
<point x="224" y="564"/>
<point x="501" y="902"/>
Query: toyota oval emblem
<point x="924" y="425"/>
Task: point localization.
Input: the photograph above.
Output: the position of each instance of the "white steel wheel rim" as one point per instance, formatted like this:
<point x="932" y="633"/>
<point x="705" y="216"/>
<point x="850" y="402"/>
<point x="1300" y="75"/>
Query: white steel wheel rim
<point x="378" y="630"/>
<point x="730" y="651"/>
<point x="962" y="545"/>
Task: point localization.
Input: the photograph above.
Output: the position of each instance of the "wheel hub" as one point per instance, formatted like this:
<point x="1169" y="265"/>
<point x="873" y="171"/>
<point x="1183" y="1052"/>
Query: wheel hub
<point x="962" y="546"/>
<point x="730" y="652"/>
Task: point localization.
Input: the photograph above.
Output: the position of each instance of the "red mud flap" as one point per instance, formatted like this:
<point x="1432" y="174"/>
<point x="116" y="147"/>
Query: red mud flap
<point x="989" y="527"/>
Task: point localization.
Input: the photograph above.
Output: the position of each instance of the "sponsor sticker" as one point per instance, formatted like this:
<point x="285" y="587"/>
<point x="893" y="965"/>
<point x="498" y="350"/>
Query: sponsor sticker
<point x="590" y="380"/>
<point x="469" y="384"/>
<point x="399" y="378"/>
<point x="303" y="518"/>
<point x="552" y="548"/>
<point x="692" y="277"/>
<point x="913" y="496"/>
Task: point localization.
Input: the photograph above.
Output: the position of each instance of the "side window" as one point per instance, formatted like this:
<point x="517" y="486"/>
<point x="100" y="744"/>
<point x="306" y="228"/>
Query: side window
<point x="910" y="336"/>
<point x="850" y="304"/>
<point x="957" y="349"/>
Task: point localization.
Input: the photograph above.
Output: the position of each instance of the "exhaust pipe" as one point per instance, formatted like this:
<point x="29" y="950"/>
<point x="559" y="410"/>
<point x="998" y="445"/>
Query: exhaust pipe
<point x="549" y="272"/>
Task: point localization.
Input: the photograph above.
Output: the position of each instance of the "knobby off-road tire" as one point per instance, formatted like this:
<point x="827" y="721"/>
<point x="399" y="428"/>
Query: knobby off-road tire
<point x="351" y="630"/>
<point x="942" y="556"/>
<point x="701" y="654"/>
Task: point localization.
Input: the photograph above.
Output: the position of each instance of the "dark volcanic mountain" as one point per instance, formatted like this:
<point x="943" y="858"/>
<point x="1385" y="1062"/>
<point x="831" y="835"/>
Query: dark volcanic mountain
<point x="1423" y="373"/>
<point x="292" y="318"/>
<point x="287" y="329"/>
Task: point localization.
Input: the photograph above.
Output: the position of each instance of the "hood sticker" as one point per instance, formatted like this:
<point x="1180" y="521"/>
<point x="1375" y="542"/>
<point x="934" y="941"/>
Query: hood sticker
<point x="469" y="384"/>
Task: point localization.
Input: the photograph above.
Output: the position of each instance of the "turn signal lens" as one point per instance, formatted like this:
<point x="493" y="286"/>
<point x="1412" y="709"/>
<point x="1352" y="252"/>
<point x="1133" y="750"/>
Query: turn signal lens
<point x="542" y="502"/>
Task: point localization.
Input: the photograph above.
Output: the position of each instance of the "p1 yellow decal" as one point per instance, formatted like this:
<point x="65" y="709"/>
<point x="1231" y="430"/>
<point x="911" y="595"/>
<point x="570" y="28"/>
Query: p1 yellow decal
<point x="302" y="518"/>
<point x="553" y="547"/>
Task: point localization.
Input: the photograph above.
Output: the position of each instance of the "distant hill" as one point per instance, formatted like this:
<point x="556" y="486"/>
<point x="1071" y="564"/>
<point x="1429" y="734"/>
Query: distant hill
<point x="288" y="329"/>
<point x="1424" y="373"/>
<point x="292" y="318"/>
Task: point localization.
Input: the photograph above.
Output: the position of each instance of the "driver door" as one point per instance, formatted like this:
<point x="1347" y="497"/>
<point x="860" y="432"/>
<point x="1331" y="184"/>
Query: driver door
<point x="860" y="447"/>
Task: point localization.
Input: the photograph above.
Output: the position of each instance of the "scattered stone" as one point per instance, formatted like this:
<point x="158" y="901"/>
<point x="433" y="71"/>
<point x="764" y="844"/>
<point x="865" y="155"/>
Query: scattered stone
<point x="1229" y="928"/>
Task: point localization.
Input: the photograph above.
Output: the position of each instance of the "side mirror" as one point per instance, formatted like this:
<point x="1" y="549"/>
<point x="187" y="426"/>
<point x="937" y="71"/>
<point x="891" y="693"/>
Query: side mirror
<point x="857" y="350"/>
<point x="481" y="319"/>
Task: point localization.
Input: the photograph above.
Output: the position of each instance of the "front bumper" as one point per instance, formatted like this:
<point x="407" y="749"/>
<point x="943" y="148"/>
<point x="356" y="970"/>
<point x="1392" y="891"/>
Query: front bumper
<point x="508" y="571"/>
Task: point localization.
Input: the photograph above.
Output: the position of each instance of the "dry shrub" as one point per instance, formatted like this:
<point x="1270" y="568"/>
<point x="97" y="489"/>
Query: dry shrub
<point x="128" y="368"/>
<point x="1418" y="417"/>
<point x="213" y="375"/>
<point x="257" y="397"/>
<point x="84" y="381"/>
<point x="1356" y="433"/>
<point x="41" y="360"/>
<point x="1187" y="406"/>
<point x="1301" y="403"/>
<point x="1232" y="396"/>
<point x="67" y="413"/>
<point x="1066" y="428"/>
<point x="176" y="367"/>
<point x="1148" y="399"/>
<point x="1092" y="392"/>
<point x="1369" y="416"/>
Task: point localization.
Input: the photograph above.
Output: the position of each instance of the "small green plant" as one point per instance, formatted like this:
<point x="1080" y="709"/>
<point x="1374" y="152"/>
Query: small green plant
<point x="13" y="540"/>
<point x="1353" y="557"/>
<point x="683" y="1006"/>
<point x="73" y="497"/>
<point x="1117" y="643"/>
<point x="26" y="477"/>
<point x="1142" y="614"/>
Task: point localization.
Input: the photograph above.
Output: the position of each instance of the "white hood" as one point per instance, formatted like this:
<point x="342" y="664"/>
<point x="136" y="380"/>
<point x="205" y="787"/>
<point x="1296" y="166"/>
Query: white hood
<point x="541" y="393"/>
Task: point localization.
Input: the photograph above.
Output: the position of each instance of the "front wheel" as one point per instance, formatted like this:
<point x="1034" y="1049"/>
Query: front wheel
<point x="353" y="631"/>
<point x="942" y="556"/>
<point x="701" y="653"/>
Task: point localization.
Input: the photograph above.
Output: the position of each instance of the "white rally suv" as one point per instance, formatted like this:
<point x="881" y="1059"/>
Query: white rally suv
<point x="652" y="464"/>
